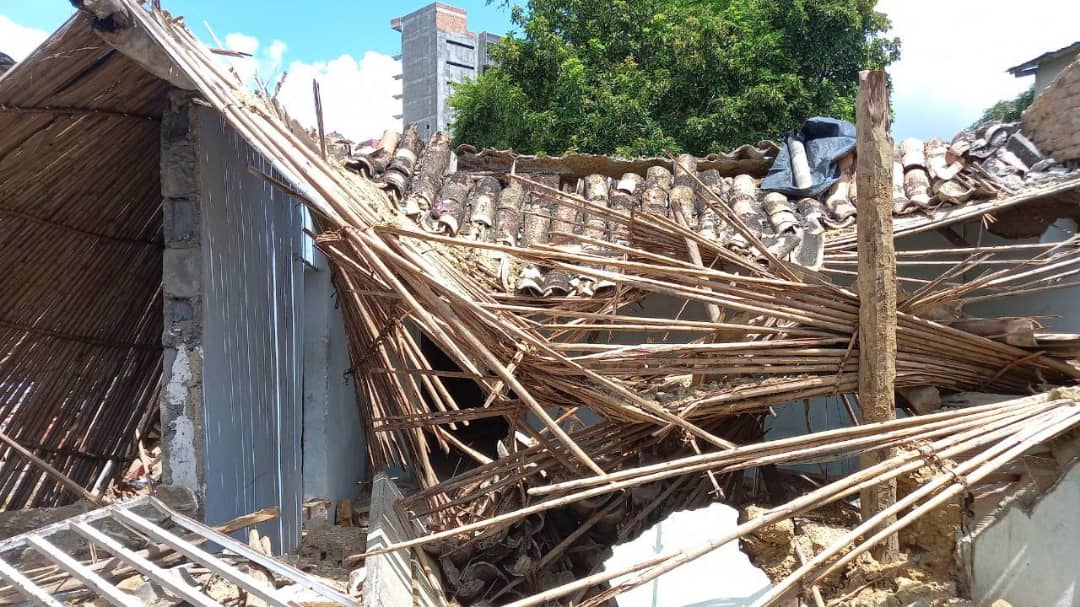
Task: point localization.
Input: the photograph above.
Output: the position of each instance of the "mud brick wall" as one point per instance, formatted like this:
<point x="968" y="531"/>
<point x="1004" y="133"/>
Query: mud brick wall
<point x="1053" y="120"/>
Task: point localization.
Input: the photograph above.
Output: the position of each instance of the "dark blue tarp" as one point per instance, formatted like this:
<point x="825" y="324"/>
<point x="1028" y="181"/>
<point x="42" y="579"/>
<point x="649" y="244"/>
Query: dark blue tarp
<point x="826" y="140"/>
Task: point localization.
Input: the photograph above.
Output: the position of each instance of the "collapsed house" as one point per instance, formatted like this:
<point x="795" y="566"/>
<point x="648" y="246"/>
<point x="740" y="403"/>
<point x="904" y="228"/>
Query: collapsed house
<point x="558" y="351"/>
<point x="156" y="289"/>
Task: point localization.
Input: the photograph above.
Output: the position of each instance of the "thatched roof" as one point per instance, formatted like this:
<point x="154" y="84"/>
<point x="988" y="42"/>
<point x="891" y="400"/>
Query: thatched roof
<point x="80" y="253"/>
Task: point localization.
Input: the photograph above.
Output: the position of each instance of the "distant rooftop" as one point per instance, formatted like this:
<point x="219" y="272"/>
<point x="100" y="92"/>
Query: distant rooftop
<point x="1030" y="66"/>
<point x="5" y="63"/>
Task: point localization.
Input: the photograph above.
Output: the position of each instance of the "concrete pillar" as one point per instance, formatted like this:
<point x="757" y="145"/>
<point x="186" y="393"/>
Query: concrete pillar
<point x="181" y="401"/>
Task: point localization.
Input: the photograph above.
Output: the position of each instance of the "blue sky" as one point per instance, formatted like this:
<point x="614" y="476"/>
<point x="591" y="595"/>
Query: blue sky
<point x="314" y="29"/>
<point x="953" y="65"/>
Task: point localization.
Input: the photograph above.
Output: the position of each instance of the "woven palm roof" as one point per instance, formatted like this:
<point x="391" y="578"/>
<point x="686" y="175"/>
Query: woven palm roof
<point x="80" y="252"/>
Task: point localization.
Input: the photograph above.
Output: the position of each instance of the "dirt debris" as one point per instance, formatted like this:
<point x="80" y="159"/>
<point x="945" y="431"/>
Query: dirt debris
<point x="324" y="546"/>
<point x="323" y="550"/>
<point x="931" y="540"/>
<point x="925" y="576"/>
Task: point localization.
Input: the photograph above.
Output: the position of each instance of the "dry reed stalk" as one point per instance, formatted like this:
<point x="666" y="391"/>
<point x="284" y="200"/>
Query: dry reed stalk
<point x="954" y="480"/>
<point x="901" y="464"/>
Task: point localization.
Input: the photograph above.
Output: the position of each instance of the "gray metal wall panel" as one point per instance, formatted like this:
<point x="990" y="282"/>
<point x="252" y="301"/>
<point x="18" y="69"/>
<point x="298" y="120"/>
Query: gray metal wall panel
<point x="253" y="351"/>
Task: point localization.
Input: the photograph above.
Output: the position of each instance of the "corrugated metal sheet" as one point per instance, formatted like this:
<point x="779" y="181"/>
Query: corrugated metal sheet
<point x="253" y="274"/>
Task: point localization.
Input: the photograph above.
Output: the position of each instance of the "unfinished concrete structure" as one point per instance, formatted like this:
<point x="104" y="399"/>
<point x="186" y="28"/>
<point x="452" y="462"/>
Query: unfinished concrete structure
<point x="437" y="50"/>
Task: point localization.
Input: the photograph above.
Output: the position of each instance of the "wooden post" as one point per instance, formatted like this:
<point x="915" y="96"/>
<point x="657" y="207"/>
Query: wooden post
<point x="877" y="283"/>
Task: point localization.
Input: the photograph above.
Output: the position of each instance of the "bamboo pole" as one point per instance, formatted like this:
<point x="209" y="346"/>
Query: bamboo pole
<point x="60" y="477"/>
<point x="889" y="469"/>
<point x="746" y="457"/>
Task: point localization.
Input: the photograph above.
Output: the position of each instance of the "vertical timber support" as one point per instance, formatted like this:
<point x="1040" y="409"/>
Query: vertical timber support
<point x="877" y="283"/>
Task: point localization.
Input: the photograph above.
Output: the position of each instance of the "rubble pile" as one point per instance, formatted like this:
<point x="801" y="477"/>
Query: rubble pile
<point x="550" y="263"/>
<point x="627" y="326"/>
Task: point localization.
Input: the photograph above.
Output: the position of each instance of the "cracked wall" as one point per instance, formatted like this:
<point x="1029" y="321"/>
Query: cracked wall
<point x="181" y="401"/>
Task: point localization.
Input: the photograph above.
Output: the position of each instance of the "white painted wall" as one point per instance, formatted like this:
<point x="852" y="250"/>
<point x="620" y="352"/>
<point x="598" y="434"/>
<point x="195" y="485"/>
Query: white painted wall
<point x="1032" y="559"/>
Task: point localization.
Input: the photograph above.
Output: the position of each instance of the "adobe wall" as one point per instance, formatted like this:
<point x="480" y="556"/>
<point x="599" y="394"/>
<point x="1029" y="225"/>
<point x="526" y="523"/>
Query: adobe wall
<point x="1053" y="120"/>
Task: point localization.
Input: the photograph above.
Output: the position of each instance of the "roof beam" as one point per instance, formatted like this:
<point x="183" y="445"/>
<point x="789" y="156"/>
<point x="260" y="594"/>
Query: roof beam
<point x="74" y="111"/>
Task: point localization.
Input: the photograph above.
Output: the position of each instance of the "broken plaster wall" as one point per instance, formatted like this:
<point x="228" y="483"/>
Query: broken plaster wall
<point x="181" y="395"/>
<point x="1029" y="555"/>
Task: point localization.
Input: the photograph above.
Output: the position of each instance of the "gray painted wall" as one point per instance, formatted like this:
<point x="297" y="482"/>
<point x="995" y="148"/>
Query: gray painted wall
<point x="252" y="345"/>
<point x="334" y="450"/>
<point x="1048" y="70"/>
<point x="1061" y="304"/>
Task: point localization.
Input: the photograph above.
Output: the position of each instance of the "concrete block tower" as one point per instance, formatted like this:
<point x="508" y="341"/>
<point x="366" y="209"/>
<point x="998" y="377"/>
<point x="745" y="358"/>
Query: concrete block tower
<point x="437" y="49"/>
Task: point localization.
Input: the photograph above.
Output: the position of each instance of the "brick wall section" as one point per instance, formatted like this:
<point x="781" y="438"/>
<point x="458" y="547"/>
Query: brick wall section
<point x="1053" y="120"/>
<point x="181" y="396"/>
<point x="450" y="19"/>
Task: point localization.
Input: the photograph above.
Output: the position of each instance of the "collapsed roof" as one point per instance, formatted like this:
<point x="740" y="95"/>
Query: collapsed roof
<point x="510" y="199"/>
<point x="768" y="330"/>
<point x="81" y="252"/>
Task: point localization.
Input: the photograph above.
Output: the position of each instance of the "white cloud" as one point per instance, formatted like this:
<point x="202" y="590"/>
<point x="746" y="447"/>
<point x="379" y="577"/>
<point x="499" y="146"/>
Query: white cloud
<point x="242" y="42"/>
<point x="357" y="96"/>
<point x="955" y="54"/>
<point x="18" y="41"/>
<point x="275" y="53"/>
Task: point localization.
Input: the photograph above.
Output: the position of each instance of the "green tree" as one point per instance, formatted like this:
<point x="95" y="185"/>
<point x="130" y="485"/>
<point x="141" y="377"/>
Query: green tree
<point x="1007" y="110"/>
<point x="635" y="77"/>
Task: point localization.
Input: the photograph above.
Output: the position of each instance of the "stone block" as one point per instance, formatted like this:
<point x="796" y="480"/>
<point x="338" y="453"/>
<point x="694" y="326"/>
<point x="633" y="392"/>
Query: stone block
<point x="1023" y="149"/>
<point x="181" y="221"/>
<point x="182" y="273"/>
<point x="179" y="170"/>
<point x="179" y="310"/>
<point x="183" y="323"/>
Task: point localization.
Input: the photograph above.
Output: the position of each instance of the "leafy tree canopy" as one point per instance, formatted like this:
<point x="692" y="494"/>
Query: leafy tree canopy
<point x="635" y="77"/>
<point x="1007" y="110"/>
